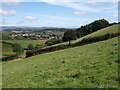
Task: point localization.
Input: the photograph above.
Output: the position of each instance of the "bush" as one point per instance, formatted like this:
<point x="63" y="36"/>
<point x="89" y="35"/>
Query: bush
<point x="30" y="47"/>
<point x="53" y="41"/>
<point x="17" y="48"/>
<point x="96" y="39"/>
<point x="11" y="57"/>
<point x="69" y="35"/>
<point x="38" y="46"/>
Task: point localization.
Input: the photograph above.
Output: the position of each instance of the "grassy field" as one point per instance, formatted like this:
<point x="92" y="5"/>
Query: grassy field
<point x="25" y="43"/>
<point x="110" y="29"/>
<point x="7" y="48"/>
<point x="89" y="66"/>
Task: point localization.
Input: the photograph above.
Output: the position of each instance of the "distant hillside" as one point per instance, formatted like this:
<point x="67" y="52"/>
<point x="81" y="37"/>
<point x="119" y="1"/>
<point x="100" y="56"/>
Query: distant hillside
<point x="32" y="29"/>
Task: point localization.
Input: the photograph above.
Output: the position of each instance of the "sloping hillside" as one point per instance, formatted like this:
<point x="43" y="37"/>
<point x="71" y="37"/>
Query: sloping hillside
<point x="93" y="65"/>
<point x="25" y="43"/>
<point x="6" y="49"/>
<point x="110" y="29"/>
<point x="6" y="45"/>
<point x="107" y="30"/>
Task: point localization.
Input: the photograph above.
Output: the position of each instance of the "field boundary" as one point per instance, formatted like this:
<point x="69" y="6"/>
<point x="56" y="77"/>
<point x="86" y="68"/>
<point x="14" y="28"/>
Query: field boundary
<point x="84" y="41"/>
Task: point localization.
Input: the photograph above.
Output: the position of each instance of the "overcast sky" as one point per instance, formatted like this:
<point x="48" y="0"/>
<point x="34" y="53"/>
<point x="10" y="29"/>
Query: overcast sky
<point x="54" y="13"/>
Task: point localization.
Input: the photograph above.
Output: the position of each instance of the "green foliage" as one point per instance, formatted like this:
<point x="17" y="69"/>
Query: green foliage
<point x="108" y="30"/>
<point x="92" y="27"/>
<point x="5" y="37"/>
<point x="6" y="49"/>
<point x="10" y="57"/>
<point x="17" y="48"/>
<point x="18" y="38"/>
<point x="38" y="46"/>
<point x="30" y="47"/>
<point x="69" y="35"/>
<point x="53" y="41"/>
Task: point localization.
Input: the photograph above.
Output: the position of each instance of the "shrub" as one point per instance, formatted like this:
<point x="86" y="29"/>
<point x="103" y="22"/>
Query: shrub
<point x="38" y="46"/>
<point x="18" y="49"/>
<point x="69" y="35"/>
<point x="11" y="57"/>
<point x="53" y="41"/>
<point x="30" y="47"/>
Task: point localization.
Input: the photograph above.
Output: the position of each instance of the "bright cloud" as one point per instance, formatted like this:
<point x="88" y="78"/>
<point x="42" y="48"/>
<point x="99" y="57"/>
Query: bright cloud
<point x="30" y="18"/>
<point x="80" y="12"/>
<point x="81" y="7"/>
<point x="7" y="12"/>
<point x="60" y="12"/>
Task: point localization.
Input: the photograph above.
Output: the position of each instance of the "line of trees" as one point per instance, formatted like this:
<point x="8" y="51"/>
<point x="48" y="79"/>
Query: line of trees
<point x="85" y="30"/>
<point x="92" y="27"/>
<point x="31" y="47"/>
<point x="84" y="41"/>
<point x="69" y="35"/>
<point x="53" y="41"/>
<point x="11" y="57"/>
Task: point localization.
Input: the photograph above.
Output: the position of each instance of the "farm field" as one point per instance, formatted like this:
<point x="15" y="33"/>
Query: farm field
<point x="25" y="43"/>
<point x="94" y="65"/>
<point x="7" y="48"/>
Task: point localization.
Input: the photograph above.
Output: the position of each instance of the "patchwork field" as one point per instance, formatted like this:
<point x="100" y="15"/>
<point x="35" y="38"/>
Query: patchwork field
<point x="93" y="65"/>
<point x="7" y="48"/>
<point x="25" y="43"/>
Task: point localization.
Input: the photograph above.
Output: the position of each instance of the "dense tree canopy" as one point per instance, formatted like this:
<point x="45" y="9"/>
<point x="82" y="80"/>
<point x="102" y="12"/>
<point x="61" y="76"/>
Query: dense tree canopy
<point x="85" y="30"/>
<point x="38" y="46"/>
<point x="18" y="49"/>
<point x="69" y="35"/>
<point x="92" y="27"/>
<point x="30" y="47"/>
<point x="53" y="41"/>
